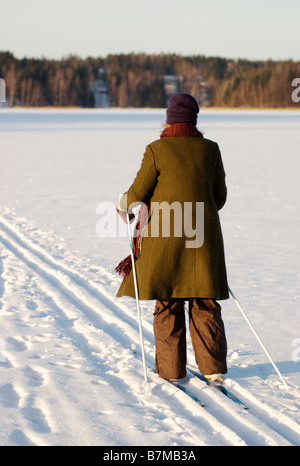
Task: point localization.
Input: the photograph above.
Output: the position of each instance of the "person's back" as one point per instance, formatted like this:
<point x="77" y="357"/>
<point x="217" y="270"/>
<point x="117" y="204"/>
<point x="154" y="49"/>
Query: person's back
<point x="183" y="181"/>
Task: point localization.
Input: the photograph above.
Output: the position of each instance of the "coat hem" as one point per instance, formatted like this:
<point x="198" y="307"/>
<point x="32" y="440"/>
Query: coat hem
<point x="201" y="296"/>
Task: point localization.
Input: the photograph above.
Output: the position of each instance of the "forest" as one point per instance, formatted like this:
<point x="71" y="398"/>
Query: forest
<point x="143" y="80"/>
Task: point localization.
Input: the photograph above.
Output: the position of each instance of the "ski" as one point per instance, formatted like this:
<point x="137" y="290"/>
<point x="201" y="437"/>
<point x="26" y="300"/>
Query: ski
<point x="181" y="387"/>
<point x="186" y="391"/>
<point x="219" y="387"/>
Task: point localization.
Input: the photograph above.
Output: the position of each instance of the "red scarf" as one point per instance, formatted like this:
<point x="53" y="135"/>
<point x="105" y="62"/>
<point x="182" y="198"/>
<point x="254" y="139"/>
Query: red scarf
<point x="181" y="129"/>
<point x="125" y="266"/>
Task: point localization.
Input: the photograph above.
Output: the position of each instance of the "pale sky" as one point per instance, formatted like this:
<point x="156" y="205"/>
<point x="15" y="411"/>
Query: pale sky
<point x="252" y="29"/>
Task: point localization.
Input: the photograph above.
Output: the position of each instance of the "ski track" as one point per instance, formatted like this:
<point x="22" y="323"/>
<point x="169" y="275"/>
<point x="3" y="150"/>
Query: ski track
<point x="82" y="311"/>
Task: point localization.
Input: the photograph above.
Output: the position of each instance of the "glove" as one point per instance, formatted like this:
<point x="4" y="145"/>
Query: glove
<point x="123" y="215"/>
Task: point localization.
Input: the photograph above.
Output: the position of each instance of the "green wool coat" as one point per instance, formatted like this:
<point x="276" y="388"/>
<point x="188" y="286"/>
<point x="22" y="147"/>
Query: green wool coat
<point x="184" y="171"/>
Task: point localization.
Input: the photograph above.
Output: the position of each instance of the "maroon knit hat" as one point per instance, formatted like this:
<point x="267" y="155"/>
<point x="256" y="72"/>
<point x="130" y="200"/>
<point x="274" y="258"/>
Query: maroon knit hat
<point x="183" y="108"/>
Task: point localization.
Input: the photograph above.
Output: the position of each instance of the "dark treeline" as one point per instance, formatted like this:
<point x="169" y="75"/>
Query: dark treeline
<point x="140" y="80"/>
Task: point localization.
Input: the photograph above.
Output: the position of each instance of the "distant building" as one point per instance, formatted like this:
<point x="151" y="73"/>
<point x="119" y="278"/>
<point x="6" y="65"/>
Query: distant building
<point x="99" y="89"/>
<point x="172" y="84"/>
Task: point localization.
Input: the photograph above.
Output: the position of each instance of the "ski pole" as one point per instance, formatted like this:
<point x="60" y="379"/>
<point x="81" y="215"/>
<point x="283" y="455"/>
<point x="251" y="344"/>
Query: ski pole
<point x="137" y="298"/>
<point x="259" y="340"/>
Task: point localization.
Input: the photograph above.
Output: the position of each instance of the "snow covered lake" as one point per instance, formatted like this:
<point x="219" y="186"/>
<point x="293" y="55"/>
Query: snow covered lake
<point x="70" y="372"/>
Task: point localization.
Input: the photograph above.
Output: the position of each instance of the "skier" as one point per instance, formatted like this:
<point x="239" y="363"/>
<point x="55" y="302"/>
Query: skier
<point x="180" y="168"/>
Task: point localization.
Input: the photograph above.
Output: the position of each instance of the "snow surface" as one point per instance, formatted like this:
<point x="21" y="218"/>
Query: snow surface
<point x="71" y="371"/>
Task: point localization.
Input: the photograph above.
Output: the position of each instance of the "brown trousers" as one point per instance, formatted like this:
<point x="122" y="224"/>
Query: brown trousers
<point x="207" y="335"/>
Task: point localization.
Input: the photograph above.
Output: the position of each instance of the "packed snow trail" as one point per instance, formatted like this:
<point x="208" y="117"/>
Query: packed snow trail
<point x="69" y="370"/>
